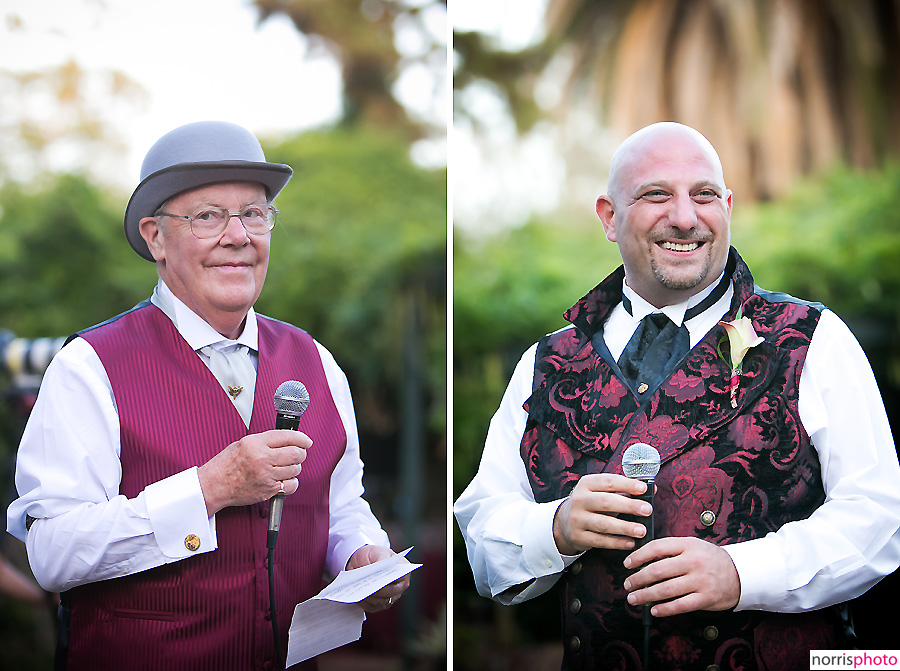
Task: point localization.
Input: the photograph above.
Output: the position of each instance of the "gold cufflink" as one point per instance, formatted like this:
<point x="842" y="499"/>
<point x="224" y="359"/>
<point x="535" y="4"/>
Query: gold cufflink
<point x="192" y="542"/>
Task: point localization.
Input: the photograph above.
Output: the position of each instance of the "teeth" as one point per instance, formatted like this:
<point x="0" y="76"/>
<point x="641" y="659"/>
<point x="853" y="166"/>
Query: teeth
<point x="689" y="247"/>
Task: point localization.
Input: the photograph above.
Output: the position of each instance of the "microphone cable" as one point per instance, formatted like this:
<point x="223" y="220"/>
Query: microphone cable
<point x="271" y="571"/>
<point x="642" y="462"/>
<point x="291" y="401"/>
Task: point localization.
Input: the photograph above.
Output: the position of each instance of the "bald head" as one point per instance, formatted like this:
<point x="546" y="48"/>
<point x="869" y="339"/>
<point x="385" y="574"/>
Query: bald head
<point x="669" y="212"/>
<point x="649" y="140"/>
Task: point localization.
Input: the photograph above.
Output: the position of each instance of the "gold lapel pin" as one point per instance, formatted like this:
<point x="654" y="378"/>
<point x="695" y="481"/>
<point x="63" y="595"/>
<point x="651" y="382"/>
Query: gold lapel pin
<point x="234" y="391"/>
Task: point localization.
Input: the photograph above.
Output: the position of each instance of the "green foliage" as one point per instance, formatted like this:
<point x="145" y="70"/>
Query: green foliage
<point x="507" y="292"/>
<point x="64" y="261"/>
<point x="835" y="240"/>
<point x="360" y="243"/>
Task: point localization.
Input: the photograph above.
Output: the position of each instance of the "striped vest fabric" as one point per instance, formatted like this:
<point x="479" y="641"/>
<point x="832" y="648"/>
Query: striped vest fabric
<point x="728" y="474"/>
<point x="209" y="611"/>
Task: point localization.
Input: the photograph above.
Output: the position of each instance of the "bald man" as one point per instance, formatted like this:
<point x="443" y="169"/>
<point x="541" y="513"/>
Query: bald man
<point x="768" y="462"/>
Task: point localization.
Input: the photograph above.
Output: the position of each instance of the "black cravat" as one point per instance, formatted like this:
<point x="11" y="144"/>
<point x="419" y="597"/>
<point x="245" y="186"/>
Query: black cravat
<point x="658" y="345"/>
<point x="653" y="352"/>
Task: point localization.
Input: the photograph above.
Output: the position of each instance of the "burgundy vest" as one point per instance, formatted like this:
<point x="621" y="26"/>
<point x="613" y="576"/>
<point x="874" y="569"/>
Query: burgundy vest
<point x="728" y="475"/>
<point x="209" y="611"/>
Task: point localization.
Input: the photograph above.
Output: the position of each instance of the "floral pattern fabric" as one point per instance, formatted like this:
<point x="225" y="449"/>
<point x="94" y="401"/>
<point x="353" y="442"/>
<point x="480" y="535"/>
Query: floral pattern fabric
<point x="728" y="474"/>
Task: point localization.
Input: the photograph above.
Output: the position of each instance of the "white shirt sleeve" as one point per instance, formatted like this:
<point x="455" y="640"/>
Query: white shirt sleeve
<point x="851" y="541"/>
<point x="509" y="536"/>
<point x="68" y="476"/>
<point x="351" y="523"/>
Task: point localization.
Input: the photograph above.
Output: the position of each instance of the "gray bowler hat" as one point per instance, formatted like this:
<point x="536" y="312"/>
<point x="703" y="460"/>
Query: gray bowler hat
<point x="199" y="153"/>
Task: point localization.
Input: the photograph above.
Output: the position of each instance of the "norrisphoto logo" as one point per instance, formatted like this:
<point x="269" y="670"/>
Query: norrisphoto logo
<point x="854" y="659"/>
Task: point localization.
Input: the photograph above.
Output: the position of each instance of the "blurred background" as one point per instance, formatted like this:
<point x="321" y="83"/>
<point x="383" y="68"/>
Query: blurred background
<point x="800" y="98"/>
<point x="354" y="95"/>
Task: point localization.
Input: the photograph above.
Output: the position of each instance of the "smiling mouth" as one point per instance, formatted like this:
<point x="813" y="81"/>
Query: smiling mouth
<point x="680" y="247"/>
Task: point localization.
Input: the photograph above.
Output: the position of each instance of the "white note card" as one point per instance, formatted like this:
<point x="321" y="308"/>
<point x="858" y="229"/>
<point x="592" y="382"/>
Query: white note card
<point x="334" y="617"/>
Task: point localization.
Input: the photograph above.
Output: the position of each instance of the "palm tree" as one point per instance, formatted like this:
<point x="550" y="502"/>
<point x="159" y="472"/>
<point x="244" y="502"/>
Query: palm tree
<point x="361" y="35"/>
<point x="781" y="87"/>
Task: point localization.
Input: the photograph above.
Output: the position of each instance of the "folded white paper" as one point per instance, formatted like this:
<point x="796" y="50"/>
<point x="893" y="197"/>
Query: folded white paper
<point x="334" y="617"/>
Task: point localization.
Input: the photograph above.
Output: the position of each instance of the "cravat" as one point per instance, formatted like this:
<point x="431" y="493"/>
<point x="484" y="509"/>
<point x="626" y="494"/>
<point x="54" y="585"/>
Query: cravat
<point x="234" y="370"/>
<point x="653" y="352"/>
<point x="657" y="345"/>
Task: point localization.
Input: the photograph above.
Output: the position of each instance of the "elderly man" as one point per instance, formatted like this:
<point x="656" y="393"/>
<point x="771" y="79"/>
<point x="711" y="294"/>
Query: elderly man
<point x="148" y="463"/>
<point x="776" y="498"/>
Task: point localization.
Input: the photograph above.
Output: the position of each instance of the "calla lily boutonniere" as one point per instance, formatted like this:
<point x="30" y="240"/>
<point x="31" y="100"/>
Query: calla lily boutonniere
<point x="741" y="337"/>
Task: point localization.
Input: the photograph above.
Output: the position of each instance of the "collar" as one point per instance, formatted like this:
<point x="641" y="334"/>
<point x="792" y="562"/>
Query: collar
<point x="194" y="329"/>
<point x="589" y="313"/>
<point x="679" y="313"/>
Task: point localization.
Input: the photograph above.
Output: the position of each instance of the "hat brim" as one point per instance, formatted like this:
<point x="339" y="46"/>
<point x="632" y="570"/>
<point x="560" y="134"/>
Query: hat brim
<point x="162" y="185"/>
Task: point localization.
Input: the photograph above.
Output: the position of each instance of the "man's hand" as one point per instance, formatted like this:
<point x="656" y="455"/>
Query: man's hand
<point x="387" y="596"/>
<point x="253" y="469"/>
<point x="686" y="574"/>
<point x="588" y="517"/>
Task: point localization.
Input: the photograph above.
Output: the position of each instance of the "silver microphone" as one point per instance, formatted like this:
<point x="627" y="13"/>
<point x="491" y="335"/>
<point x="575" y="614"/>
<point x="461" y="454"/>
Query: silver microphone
<point x="641" y="462"/>
<point x="291" y="400"/>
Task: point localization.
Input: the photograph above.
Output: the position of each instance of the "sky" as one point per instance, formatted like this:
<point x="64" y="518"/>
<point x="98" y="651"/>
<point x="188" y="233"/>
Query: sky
<point x="207" y="59"/>
<point x="500" y="179"/>
<point x="199" y="65"/>
<point x="513" y="24"/>
<point x="194" y="60"/>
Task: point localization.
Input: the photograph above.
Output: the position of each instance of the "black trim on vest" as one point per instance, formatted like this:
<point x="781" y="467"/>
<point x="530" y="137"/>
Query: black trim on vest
<point x="64" y="625"/>
<point x="780" y="297"/>
<point x="144" y="303"/>
<point x="703" y="305"/>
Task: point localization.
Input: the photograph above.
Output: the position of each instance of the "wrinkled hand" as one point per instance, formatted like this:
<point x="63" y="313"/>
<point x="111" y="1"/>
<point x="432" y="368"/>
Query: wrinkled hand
<point x="588" y="517"/>
<point x="253" y="469"/>
<point x="387" y="596"/>
<point x="686" y="574"/>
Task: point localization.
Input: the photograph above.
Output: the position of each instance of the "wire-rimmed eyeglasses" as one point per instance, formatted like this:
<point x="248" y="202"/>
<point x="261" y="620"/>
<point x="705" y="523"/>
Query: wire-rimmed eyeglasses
<point x="212" y="221"/>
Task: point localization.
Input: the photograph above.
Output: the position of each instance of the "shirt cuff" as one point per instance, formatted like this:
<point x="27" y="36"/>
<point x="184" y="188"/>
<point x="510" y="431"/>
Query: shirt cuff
<point x="340" y="555"/>
<point x="178" y="516"/>
<point x="539" y="551"/>
<point x="761" y="569"/>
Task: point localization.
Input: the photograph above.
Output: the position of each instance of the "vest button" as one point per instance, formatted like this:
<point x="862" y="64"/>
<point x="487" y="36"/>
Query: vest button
<point x="574" y="644"/>
<point x="642" y="389"/>
<point x="707" y="518"/>
<point x="710" y="633"/>
<point x="192" y="542"/>
<point x="575" y="606"/>
<point x="576" y="567"/>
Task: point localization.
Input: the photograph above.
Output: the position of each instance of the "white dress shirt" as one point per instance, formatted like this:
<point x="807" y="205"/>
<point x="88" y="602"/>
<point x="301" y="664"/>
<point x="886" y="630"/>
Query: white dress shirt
<point x="68" y="475"/>
<point x="844" y="548"/>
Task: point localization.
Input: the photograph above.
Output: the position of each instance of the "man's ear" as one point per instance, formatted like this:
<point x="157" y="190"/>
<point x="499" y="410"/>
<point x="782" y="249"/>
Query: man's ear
<point x="153" y="236"/>
<point x="606" y="210"/>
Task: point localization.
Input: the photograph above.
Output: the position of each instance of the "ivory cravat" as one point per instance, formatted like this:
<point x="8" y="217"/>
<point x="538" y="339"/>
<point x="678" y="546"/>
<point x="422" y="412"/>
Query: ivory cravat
<point x="234" y="370"/>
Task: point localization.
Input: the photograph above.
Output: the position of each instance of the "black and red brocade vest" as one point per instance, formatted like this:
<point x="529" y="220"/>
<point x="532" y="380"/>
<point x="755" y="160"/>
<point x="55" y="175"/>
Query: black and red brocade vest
<point x="728" y="475"/>
<point x="209" y="611"/>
